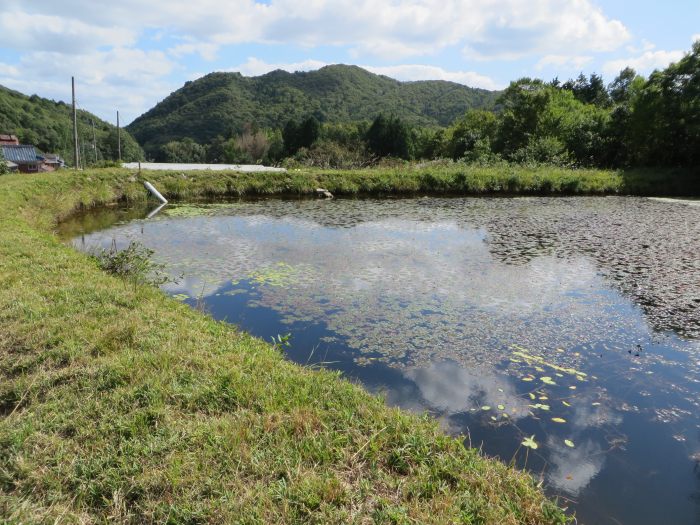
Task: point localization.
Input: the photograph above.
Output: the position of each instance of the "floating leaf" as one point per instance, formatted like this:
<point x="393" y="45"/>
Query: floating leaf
<point x="501" y="407"/>
<point x="485" y="407"/>
<point x="493" y="417"/>
<point x="566" y="404"/>
<point x="595" y="404"/>
<point x="547" y="380"/>
<point x="559" y="420"/>
<point x="573" y="387"/>
<point x="532" y="396"/>
<point x="540" y="405"/>
<point x="569" y="443"/>
<point x="527" y="378"/>
<point x="530" y="442"/>
<point x="543" y="398"/>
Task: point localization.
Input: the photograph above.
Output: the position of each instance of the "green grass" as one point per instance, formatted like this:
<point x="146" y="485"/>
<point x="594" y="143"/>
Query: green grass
<point x="121" y="405"/>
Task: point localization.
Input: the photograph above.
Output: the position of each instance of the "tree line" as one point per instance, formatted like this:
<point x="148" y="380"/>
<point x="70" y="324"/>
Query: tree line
<point x="633" y="121"/>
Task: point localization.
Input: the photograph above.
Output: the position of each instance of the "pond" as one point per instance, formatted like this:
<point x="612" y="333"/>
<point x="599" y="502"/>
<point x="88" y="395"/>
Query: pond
<point x="567" y="324"/>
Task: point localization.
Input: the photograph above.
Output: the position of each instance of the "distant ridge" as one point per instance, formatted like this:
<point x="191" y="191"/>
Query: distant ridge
<point x="222" y="103"/>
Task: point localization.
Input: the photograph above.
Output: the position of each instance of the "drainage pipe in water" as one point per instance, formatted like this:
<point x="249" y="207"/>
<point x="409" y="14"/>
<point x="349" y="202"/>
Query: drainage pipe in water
<point x="155" y="192"/>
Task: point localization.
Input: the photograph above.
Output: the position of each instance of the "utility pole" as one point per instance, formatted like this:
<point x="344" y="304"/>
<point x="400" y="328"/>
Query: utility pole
<point x="75" y="128"/>
<point x="119" y="140"/>
<point x="94" y="140"/>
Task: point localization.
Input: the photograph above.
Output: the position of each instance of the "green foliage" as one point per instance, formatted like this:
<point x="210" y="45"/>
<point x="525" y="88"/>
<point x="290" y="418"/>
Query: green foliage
<point x="3" y="166"/>
<point x="621" y="89"/>
<point x="297" y="135"/>
<point x="47" y="125"/>
<point x="390" y="137"/>
<point x="182" y="151"/>
<point x="471" y="135"/>
<point x="589" y="90"/>
<point x="134" y="263"/>
<point x="333" y="155"/>
<point x="523" y="102"/>
<point x="543" y="150"/>
<point x="222" y="103"/>
<point x="664" y="126"/>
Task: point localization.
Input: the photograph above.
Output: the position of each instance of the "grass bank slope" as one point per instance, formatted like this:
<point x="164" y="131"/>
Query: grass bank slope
<point x="121" y="405"/>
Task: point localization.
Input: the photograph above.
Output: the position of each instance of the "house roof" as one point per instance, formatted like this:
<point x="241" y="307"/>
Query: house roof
<point x="8" y="137"/>
<point x="19" y="154"/>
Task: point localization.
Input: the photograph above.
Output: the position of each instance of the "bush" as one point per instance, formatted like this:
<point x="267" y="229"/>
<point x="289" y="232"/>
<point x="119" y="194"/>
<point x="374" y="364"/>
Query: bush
<point x="543" y="150"/>
<point x="331" y="155"/>
<point x="3" y="166"/>
<point x="134" y="263"/>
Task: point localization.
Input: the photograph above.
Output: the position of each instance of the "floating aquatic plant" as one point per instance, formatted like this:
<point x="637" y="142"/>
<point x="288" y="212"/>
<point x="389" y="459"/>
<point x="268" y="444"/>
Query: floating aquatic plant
<point x="530" y="442"/>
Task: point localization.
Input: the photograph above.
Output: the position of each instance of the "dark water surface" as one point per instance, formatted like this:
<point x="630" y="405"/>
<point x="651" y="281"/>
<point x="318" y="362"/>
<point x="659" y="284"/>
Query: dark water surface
<point x="573" y="320"/>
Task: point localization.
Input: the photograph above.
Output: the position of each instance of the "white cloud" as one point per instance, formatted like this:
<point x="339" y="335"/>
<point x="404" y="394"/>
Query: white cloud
<point x="6" y="70"/>
<point x="36" y="32"/>
<point x="545" y="27"/>
<point x="563" y="62"/>
<point x="254" y="67"/>
<point x="425" y="72"/>
<point x="120" y="78"/>
<point x="495" y="29"/>
<point x="404" y="72"/>
<point x="644" y="63"/>
<point x="206" y="50"/>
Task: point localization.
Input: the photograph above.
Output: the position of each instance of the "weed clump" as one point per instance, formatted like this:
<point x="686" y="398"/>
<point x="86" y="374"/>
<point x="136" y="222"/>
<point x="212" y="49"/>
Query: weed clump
<point x="134" y="263"/>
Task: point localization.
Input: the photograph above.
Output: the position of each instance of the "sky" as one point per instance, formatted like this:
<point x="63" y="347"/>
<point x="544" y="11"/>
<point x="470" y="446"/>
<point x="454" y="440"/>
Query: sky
<point x="129" y="55"/>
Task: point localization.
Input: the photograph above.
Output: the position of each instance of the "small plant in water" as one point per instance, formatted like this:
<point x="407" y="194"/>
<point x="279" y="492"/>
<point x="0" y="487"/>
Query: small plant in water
<point x="281" y="341"/>
<point x="133" y="263"/>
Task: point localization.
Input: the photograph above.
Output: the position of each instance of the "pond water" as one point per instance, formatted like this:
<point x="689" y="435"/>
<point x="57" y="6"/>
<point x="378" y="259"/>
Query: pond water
<point x="571" y="321"/>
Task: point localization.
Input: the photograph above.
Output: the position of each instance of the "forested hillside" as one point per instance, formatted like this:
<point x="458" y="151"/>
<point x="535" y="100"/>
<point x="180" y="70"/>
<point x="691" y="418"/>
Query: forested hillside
<point x="222" y="104"/>
<point x="47" y="124"/>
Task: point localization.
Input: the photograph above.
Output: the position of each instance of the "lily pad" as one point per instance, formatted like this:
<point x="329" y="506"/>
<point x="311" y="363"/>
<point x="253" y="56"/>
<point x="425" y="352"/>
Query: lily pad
<point x="530" y="442"/>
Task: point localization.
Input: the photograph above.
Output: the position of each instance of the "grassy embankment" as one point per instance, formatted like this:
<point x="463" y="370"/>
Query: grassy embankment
<point x="119" y="404"/>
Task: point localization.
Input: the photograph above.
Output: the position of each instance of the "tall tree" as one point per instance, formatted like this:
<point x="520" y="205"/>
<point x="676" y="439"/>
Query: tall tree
<point x="665" y="121"/>
<point x="523" y="102"/>
<point x="390" y="136"/>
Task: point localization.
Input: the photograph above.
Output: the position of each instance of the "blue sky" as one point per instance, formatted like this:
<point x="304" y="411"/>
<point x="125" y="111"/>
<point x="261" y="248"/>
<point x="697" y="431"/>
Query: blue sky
<point x="128" y="55"/>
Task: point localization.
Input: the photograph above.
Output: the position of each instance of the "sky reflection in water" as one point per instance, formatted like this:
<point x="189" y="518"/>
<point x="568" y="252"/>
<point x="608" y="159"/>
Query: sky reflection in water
<point x="568" y="319"/>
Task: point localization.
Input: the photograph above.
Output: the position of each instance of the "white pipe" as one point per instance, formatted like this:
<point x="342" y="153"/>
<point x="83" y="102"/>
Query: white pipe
<point x="155" y="192"/>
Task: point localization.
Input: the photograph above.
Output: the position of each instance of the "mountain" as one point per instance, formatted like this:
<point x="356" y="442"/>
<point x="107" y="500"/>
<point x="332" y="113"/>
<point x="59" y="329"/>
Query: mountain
<point x="48" y="125"/>
<point x="222" y="103"/>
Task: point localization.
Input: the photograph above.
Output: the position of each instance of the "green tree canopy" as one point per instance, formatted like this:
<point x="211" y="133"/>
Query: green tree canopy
<point x="390" y="136"/>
